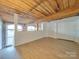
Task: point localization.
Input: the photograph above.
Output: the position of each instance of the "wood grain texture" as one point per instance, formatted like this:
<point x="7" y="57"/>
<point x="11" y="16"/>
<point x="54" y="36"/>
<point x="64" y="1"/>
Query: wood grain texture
<point x="63" y="14"/>
<point x="44" y="48"/>
<point x="33" y="8"/>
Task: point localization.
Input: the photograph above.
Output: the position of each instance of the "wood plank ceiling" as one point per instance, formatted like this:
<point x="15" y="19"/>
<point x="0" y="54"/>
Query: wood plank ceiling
<point x="41" y="9"/>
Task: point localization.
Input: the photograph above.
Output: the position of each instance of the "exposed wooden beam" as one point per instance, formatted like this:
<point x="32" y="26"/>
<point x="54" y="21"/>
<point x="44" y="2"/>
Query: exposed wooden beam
<point x="40" y="3"/>
<point x="48" y="5"/>
<point x="43" y="10"/>
<point x="37" y="14"/>
<point x="11" y="7"/>
<point x="52" y="5"/>
<point x="60" y="4"/>
<point x="40" y="9"/>
<point x="65" y="4"/>
<point x="72" y="3"/>
<point x="34" y="8"/>
<point x="18" y="3"/>
<point x="16" y="8"/>
<point x="66" y="13"/>
<point x="77" y="3"/>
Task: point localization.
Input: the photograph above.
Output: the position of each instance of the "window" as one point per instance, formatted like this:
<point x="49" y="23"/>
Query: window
<point x="31" y="28"/>
<point x="10" y="28"/>
<point x="20" y="28"/>
<point x="35" y="27"/>
<point x="41" y="27"/>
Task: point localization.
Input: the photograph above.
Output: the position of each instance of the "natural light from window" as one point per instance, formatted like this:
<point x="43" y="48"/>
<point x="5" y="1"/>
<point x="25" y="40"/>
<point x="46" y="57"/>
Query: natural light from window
<point x="31" y="28"/>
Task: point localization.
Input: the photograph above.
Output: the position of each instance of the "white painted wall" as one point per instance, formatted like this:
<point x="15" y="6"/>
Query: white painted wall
<point x="25" y="37"/>
<point x="67" y="28"/>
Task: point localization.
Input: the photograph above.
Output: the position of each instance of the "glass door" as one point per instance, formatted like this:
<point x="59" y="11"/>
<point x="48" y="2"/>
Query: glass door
<point x="9" y="34"/>
<point x="0" y="34"/>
